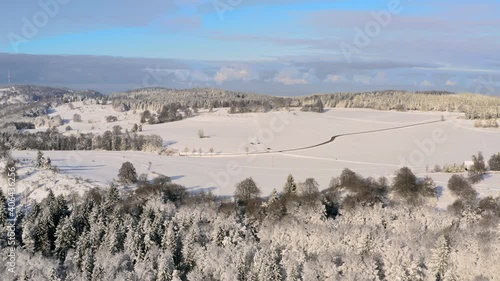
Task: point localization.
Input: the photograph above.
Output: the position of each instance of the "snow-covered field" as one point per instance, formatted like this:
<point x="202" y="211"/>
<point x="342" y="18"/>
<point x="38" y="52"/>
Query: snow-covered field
<point x="235" y="137"/>
<point x="93" y="117"/>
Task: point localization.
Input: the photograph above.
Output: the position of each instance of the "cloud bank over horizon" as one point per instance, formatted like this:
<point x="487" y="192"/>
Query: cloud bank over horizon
<point x="283" y="47"/>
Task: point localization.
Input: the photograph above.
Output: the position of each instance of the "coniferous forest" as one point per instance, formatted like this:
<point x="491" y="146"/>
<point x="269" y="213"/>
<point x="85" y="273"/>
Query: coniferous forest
<point x="355" y="229"/>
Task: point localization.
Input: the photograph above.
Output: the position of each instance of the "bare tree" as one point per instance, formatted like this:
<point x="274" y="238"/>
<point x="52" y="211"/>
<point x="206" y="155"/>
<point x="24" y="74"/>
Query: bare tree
<point x="478" y="168"/>
<point x="494" y="162"/>
<point x="309" y="188"/>
<point x="246" y="190"/>
<point x="408" y="187"/>
<point x="460" y="187"/>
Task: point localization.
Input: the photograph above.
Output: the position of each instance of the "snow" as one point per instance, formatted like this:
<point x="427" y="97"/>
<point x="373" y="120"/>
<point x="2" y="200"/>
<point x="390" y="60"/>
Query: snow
<point x="93" y="117"/>
<point x="372" y="154"/>
<point x="34" y="184"/>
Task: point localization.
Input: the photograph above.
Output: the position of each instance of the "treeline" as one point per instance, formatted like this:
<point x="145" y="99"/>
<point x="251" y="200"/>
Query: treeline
<point x="52" y="139"/>
<point x="22" y="94"/>
<point x="357" y="229"/>
<point x="153" y="99"/>
<point x="317" y="106"/>
<point x="168" y="113"/>
<point x="22" y="103"/>
<point x="474" y="106"/>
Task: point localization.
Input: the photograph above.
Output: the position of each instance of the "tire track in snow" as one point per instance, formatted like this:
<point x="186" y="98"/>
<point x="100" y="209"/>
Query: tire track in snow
<point x="332" y="139"/>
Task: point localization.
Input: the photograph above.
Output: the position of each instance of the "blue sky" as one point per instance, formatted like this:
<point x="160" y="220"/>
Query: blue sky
<point x="285" y="47"/>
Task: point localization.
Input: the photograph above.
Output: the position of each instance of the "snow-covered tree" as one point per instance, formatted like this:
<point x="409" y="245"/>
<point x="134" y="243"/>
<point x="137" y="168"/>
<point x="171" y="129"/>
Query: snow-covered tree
<point x="290" y="186"/>
<point x="246" y="190"/>
<point x="440" y="258"/>
<point x="127" y="173"/>
<point x="65" y="237"/>
<point x="166" y="266"/>
<point x="266" y="265"/>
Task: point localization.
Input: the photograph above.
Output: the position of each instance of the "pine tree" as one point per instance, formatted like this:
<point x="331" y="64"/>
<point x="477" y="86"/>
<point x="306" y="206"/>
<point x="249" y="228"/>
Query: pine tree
<point x="450" y="276"/>
<point x="30" y="229"/>
<point x="130" y="245"/>
<point x="267" y="265"/>
<point x="98" y="223"/>
<point x="82" y="246"/>
<point x="365" y="246"/>
<point x="60" y="209"/>
<point x="98" y="273"/>
<point x="188" y="249"/>
<point x="157" y="230"/>
<point x="88" y="264"/>
<point x="165" y="266"/>
<point x="29" y="236"/>
<point x="40" y="160"/>
<point x="149" y="228"/>
<point x="44" y="241"/>
<point x="112" y="198"/>
<point x="290" y="186"/>
<point x="65" y="238"/>
<point x="274" y="197"/>
<point x="294" y="275"/>
<point x="170" y="242"/>
<point x="440" y="258"/>
<point x="242" y="268"/>
<point x="53" y="275"/>
<point x="134" y="243"/>
<point x="115" y="235"/>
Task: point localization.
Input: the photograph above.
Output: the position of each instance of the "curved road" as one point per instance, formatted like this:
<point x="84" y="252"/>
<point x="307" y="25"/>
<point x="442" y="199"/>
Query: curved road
<point x="332" y="139"/>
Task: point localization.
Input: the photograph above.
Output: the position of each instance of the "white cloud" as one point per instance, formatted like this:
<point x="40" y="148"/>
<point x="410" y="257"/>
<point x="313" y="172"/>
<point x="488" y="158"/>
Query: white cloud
<point x="363" y="79"/>
<point x="379" y="78"/>
<point x="292" y="76"/>
<point x="230" y="73"/>
<point x="160" y="75"/>
<point x="450" y="83"/>
<point x="332" y="78"/>
<point x="426" y="83"/>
